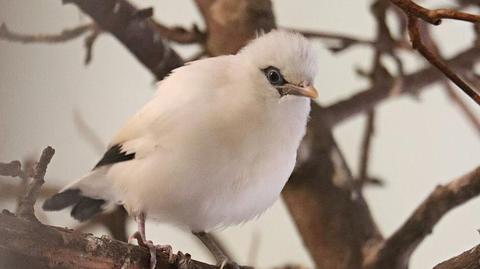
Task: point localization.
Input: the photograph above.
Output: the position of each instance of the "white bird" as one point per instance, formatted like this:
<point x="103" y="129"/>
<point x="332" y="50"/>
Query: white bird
<point x="214" y="147"/>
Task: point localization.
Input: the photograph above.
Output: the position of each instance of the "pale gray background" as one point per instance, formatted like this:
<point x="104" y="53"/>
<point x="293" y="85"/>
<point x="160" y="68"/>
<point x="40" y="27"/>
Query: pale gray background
<point x="418" y="144"/>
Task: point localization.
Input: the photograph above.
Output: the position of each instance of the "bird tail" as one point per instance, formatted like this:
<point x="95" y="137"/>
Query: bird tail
<point x="88" y="195"/>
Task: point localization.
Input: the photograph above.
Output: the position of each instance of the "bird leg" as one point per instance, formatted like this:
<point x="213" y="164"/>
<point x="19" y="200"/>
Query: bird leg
<point x="142" y="241"/>
<point x="222" y="259"/>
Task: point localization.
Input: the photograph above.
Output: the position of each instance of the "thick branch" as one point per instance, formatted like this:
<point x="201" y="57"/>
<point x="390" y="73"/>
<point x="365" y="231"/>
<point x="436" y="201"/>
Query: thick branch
<point x="26" y="244"/>
<point x="395" y="251"/>
<point x="137" y="33"/>
<point x="467" y="260"/>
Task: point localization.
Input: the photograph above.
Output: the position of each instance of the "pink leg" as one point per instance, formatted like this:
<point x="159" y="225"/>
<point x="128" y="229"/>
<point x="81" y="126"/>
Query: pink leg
<point x="142" y="241"/>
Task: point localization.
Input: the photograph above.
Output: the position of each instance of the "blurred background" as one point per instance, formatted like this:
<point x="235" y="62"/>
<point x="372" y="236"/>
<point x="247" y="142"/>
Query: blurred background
<point x="47" y="94"/>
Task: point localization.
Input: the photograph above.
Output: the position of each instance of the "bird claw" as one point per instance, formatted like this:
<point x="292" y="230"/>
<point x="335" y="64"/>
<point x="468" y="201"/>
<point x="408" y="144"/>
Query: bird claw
<point x="183" y="261"/>
<point x="165" y="249"/>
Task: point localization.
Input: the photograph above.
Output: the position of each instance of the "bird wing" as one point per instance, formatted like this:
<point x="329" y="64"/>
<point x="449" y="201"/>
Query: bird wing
<point x="170" y="108"/>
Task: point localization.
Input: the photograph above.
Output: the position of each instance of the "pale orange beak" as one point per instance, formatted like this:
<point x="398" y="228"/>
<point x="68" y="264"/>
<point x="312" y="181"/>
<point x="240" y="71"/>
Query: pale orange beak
<point x="305" y="89"/>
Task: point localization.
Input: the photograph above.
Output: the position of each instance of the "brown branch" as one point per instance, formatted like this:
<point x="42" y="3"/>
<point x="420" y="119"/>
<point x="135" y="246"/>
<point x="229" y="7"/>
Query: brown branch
<point x="417" y="44"/>
<point x="345" y="41"/>
<point x="89" y="41"/>
<point x="26" y="244"/>
<point x="87" y="132"/>
<point x="11" y="169"/>
<point x="469" y="114"/>
<point x="396" y="250"/>
<point x="181" y="35"/>
<point x="363" y="175"/>
<point x="467" y="260"/>
<point x="25" y="207"/>
<point x="433" y="16"/>
<point x="134" y="31"/>
<point x="65" y="35"/>
<point x="416" y="12"/>
<point x="227" y="33"/>
<point x="412" y="84"/>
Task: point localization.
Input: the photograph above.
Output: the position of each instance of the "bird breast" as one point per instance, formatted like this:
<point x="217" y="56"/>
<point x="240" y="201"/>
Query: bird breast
<point x="222" y="165"/>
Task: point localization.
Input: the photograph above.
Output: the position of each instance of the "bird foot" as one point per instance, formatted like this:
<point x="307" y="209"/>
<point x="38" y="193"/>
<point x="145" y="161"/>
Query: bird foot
<point x="183" y="261"/>
<point x="164" y="249"/>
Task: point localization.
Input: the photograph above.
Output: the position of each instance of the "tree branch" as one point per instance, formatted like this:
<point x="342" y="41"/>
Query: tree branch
<point x="137" y="33"/>
<point x="412" y="84"/>
<point x="396" y="250"/>
<point x="11" y="169"/>
<point x="433" y="16"/>
<point x="414" y="12"/>
<point x="26" y="244"/>
<point x="25" y="207"/>
<point x="65" y="35"/>
<point x="467" y="260"/>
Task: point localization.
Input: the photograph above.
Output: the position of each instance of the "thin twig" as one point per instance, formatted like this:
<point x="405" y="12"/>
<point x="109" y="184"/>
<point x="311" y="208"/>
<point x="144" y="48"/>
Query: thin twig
<point x="25" y="209"/>
<point x="366" y="145"/>
<point x="65" y="35"/>
<point x="434" y="16"/>
<point x="87" y="132"/>
<point x="181" y="35"/>
<point x="89" y="41"/>
<point x="414" y="13"/>
<point x="469" y="114"/>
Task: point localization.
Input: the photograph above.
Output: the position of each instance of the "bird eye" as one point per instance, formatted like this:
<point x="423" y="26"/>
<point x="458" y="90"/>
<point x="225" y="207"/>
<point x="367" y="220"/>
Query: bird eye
<point x="274" y="76"/>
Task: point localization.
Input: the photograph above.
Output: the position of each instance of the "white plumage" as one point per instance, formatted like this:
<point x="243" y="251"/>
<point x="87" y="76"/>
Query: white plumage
<point x="218" y="141"/>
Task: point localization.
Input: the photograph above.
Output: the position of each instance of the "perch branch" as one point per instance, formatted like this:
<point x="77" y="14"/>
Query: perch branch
<point x="25" y="207"/>
<point x="54" y="247"/>
<point x="396" y="250"/>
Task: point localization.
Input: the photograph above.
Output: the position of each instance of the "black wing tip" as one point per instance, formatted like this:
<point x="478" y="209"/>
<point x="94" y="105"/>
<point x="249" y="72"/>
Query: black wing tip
<point x="62" y="200"/>
<point x="115" y="154"/>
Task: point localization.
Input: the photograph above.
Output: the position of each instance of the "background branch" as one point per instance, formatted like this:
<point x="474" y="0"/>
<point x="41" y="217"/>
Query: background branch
<point x="396" y="250"/>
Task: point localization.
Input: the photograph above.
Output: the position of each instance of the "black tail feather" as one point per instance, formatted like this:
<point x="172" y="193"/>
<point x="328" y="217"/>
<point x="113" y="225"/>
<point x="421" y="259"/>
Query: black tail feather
<point x="84" y="207"/>
<point x="62" y="200"/>
<point x="87" y="208"/>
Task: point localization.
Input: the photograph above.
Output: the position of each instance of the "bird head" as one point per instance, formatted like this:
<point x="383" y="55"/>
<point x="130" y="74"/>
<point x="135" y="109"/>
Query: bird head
<point x="284" y="62"/>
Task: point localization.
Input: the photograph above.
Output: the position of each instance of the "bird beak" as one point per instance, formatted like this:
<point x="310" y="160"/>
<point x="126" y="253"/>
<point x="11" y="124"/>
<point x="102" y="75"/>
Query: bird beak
<point x="305" y="89"/>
